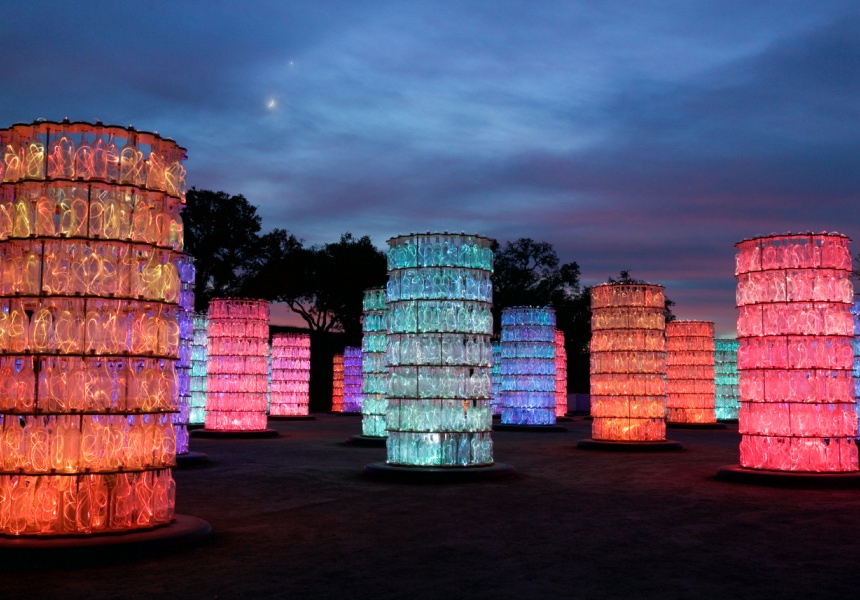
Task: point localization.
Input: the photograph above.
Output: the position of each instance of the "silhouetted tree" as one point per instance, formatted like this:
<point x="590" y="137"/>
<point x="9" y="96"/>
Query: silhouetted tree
<point x="221" y="233"/>
<point x="323" y="283"/>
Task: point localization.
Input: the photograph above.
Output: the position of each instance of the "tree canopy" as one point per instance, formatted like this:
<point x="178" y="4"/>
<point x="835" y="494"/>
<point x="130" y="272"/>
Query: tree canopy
<point x="221" y="233"/>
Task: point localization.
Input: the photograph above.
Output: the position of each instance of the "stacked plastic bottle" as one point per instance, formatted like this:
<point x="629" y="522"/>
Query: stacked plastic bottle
<point x="795" y="355"/>
<point x="855" y="311"/>
<point x="628" y="362"/>
<point x="726" y="379"/>
<point x="496" y="379"/>
<point x="236" y="371"/>
<point x="199" y="358"/>
<point x="337" y="384"/>
<point x="90" y="243"/>
<point x="291" y="374"/>
<point x="528" y="366"/>
<point x="183" y="365"/>
<point x="373" y="370"/>
<point x="439" y="297"/>
<point x="560" y="375"/>
<point x="690" y="372"/>
<point x="352" y="379"/>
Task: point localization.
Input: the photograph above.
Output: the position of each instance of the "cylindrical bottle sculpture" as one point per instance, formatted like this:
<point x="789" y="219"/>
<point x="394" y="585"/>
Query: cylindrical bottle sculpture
<point x="183" y="365"/>
<point x="291" y="374"/>
<point x="352" y="379"/>
<point x="560" y="375"/>
<point x="795" y="356"/>
<point x="374" y="381"/>
<point x="236" y="372"/>
<point x="628" y="363"/>
<point x="528" y="366"/>
<point x="690" y="372"/>
<point x="90" y="242"/>
<point x="496" y="379"/>
<point x="855" y="311"/>
<point x="337" y="384"/>
<point x="726" y="378"/>
<point x="199" y="358"/>
<point x="439" y="297"/>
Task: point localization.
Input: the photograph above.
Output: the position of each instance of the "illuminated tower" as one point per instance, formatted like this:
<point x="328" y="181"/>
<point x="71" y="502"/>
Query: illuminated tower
<point x="337" y="384"/>
<point x="795" y="356"/>
<point x="496" y="379"/>
<point x="690" y="373"/>
<point x="726" y="378"/>
<point x="237" y="368"/>
<point x="439" y="297"/>
<point x="375" y="373"/>
<point x="291" y="375"/>
<point x="528" y="369"/>
<point x="199" y="358"/>
<point x="183" y="364"/>
<point x="628" y="367"/>
<point x="560" y="375"/>
<point x="90" y="294"/>
<point x="352" y="380"/>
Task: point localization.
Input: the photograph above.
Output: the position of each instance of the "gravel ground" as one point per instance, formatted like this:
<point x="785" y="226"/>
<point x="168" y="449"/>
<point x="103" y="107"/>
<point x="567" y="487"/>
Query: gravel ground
<point x="294" y="518"/>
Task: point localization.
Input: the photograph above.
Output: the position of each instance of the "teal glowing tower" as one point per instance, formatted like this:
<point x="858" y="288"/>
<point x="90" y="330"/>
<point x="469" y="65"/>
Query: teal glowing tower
<point x="374" y="372"/>
<point x="726" y="378"/>
<point x="439" y="297"/>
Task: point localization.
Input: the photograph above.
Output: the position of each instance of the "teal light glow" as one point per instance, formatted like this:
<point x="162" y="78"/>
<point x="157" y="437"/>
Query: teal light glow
<point x="438" y="354"/>
<point x="726" y="378"/>
<point x="375" y="374"/>
<point x="199" y="345"/>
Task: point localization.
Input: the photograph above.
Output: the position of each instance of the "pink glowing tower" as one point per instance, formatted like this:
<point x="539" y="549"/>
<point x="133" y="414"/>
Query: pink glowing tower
<point x="795" y="329"/>
<point x="237" y="367"/>
<point x="690" y="372"/>
<point x="291" y="374"/>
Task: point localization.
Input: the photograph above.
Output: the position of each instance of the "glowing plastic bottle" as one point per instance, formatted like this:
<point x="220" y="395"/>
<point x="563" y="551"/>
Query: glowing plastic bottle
<point x="795" y="353"/>
<point x="439" y="297"/>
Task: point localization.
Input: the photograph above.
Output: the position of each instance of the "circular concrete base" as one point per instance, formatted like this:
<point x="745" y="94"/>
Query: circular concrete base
<point x="234" y="434"/>
<point x="796" y="479"/>
<point x="366" y="440"/>
<point x="191" y="459"/>
<point x="184" y="530"/>
<point x="660" y="446"/>
<point x="385" y="472"/>
<point x="532" y="428"/>
<point x="695" y="425"/>
<point x="292" y="418"/>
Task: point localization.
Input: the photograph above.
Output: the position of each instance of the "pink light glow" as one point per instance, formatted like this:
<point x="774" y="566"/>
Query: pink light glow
<point x="560" y="375"/>
<point x="690" y="372"/>
<point x="628" y="362"/>
<point x="237" y="367"/>
<point x="291" y="374"/>
<point x="795" y="357"/>
<point x="337" y="383"/>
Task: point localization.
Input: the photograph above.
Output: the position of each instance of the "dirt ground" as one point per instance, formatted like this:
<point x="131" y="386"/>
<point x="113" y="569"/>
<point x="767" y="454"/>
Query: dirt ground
<point x="295" y="518"/>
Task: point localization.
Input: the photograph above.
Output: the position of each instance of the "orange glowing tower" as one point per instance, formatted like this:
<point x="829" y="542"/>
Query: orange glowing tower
<point x="560" y="375"/>
<point x="628" y="366"/>
<point x="90" y="244"/>
<point x="337" y="384"/>
<point x="690" y="372"/>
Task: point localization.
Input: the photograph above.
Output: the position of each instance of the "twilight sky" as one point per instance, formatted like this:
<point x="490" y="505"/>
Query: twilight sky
<point x="630" y="135"/>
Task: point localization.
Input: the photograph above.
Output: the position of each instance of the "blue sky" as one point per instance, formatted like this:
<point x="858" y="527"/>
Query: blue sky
<point x="630" y="135"/>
